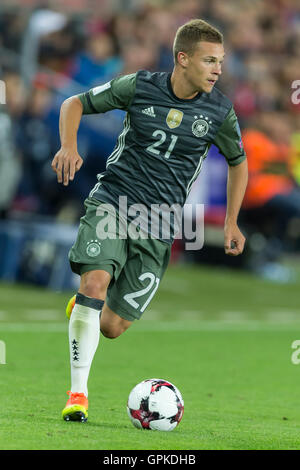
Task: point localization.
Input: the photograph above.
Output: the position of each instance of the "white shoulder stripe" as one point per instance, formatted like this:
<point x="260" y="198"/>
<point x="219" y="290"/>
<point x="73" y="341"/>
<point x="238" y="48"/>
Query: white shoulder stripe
<point x="100" y="88"/>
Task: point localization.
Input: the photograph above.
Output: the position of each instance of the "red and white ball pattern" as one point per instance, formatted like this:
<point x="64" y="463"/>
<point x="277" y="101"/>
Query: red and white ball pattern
<point x="155" y="404"/>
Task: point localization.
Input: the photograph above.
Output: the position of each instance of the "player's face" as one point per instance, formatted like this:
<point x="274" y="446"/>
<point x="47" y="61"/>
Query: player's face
<point x="204" y="66"/>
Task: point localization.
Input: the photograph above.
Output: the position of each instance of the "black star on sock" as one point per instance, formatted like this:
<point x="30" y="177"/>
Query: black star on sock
<point x="75" y="356"/>
<point x="75" y="350"/>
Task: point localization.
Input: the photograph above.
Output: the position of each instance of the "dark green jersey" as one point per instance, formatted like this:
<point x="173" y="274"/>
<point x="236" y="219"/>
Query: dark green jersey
<point x="165" y="139"/>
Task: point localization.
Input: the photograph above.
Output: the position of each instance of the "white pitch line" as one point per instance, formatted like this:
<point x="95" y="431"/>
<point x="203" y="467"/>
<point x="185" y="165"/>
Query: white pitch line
<point x="42" y="314"/>
<point x="3" y="314"/>
<point x="34" y="327"/>
<point x="283" y="316"/>
<point x="216" y="326"/>
<point x="157" y="326"/>
<point x="234" y="316"/>
<point x="31" y="315"/>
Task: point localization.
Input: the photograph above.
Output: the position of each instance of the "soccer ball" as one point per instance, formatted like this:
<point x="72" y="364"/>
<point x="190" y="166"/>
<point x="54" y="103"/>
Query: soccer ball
<point x="155" y="404"/>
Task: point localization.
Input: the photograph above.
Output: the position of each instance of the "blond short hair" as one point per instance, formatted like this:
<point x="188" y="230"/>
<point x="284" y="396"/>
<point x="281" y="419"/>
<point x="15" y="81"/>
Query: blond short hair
<point x="190" y="34"/>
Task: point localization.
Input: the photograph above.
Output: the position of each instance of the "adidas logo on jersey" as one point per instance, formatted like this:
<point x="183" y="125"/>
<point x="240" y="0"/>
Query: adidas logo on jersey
<point x="149" y="111"/>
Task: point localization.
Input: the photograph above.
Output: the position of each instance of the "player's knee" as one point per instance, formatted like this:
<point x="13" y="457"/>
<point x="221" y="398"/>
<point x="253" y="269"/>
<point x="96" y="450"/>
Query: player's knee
<point x="111" y="324"/>
<point x="111" y="332"/>
<point x="94" y="285"/>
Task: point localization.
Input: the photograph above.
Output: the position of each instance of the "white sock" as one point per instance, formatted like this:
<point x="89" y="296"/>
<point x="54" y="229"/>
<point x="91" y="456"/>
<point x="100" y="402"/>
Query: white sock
<point x="84" y="334"/>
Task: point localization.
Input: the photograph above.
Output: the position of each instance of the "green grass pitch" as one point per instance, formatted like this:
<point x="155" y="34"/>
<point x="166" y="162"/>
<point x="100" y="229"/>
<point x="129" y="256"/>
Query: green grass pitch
<point x="222" y="337"/>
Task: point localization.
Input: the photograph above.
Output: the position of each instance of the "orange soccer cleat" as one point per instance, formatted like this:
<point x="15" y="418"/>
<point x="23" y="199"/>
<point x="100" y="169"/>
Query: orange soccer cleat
<point x="76" y="408"/>
<point x="70" y="306"/>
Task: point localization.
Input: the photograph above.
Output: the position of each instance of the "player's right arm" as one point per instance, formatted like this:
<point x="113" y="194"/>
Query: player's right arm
<point x="116" y="94"/>
<point x="67" y="160"/>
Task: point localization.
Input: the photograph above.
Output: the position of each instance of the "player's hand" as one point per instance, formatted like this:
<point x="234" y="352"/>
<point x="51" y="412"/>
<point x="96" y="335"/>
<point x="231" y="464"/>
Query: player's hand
<point x="234" y="240"/>
<point x="65" y="164"/>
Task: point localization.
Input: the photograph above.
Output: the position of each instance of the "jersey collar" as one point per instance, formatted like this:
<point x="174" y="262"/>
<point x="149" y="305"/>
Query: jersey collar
<point x="176" y="97"/>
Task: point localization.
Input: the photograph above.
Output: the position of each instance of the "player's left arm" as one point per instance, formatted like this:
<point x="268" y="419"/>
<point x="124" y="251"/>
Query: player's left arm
<point x="229" y="141"/>
<point x="237" y="179"/>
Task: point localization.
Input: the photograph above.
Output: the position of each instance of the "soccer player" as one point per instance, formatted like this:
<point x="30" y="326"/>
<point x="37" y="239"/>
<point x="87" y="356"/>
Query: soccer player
<point x="171" y="121"/>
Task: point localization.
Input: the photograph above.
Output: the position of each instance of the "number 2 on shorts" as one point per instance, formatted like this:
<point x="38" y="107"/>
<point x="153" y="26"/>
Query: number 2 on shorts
<point x="130" y="297"/>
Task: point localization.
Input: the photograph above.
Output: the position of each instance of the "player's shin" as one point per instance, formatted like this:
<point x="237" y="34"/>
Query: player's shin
<point x="84" y="337"/>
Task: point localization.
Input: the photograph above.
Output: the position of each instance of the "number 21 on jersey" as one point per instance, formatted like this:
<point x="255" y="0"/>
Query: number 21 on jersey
<point x="153" y="148"/>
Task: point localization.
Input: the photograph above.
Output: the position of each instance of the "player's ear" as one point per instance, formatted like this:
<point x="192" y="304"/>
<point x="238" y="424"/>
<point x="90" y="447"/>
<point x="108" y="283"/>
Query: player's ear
<point x="182" y="59"/>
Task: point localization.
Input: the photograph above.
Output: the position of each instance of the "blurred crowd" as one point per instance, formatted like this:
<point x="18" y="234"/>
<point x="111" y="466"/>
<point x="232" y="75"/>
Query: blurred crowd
<point x="48" y="54"/>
